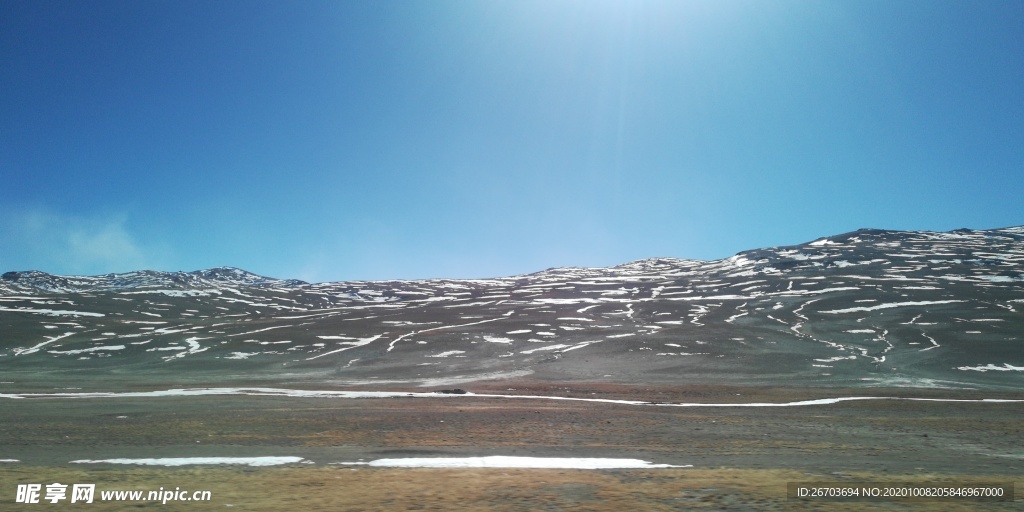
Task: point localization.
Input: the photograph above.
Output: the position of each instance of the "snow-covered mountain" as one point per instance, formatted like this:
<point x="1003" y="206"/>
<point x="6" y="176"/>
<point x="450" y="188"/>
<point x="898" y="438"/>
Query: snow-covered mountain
<point x="871" y="307"/>
<point x="36" y="281"/>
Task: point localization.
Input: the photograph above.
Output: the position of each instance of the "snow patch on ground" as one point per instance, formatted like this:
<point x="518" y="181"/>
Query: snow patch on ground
<point x="496" y="339"/>
<point x="87" y="350"/>
<point x="193" y="348"/>
<point x="241" y="355"/>
<point x="302" y="393"/>
<point x="1007" y="367"/>
<point x="449" y="353"/>
<point x="501" y="461"/>
<point x="548" y="347"/>
<point x="892" y="305"/>
<point x="49" y="339"/>
<point x="188" y="461"/>
<point x="52" y="312"/>
<point x="358" y="343"/>
<point x="834" y="359"/>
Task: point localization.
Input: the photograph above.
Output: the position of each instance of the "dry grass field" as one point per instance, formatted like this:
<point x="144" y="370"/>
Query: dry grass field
<point x="741" y="457"/>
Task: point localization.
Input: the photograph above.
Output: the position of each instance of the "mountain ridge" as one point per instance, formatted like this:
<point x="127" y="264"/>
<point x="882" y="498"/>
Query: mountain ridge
<point x="228" y="275"/>
<point x="864" y="308"/>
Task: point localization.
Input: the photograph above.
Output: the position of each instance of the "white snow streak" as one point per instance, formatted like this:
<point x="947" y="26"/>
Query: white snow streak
<point x="1007" y="367"/>
<point x="185" y="461"/>
<point x="302" y="393"/>
<point x="891" y="305"/>
<point x="32" y="350"/>
<point x="52" y="312"/>
<point x="500" y="461"/>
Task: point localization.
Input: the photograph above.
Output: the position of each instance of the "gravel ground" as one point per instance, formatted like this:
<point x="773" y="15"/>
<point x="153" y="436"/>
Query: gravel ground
<point x="742" y="457"/>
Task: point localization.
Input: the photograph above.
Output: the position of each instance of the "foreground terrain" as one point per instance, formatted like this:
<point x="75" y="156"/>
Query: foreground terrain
<point x="729" y="455"/>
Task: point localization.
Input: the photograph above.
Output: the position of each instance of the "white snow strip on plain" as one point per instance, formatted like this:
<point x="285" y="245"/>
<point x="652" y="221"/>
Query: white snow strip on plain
<point x="353" y="344"/>
<point x="581" y="345"/>
<point x="185" y="461"/>
<point x="1007" y="367"/>
<point x="52" y="312"/>
<point x="886" y="278"/>
<point x="548" y="347"/>
<point x="790" y="293"/>
<point x="469" y="304"/>
<point x="521" y="331"/>
<point x="434" y="299"/>
<point x="502" y="461"/>
<point x="303" y="393"/>
<point x="999" y="279"/>
<point x="565" y="301"/>
<point x="496" y="339"/>
<point x="9" y="460"/>
<point x="396" y="340"/>
<point x="836" y="358"/>
<point x="168" y="330"/>
<point x="87" y="350"/>
<point x="737" y="315"/>
<point x="934" y="343"/>
<point x="714" y="297"/>
<point x="259" y="330"/>
<point x="193" y="348"/>
<point x="176" y="293"/>
<point x="891" y="305"/>
<point x="295" y="393"/>
<point x="36" y="348"/>
<point x="449" y="353"/>
<point x="241" y="355"/>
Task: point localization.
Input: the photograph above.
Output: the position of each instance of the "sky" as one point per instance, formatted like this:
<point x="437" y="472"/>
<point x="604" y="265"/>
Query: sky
<point x="407" y="139"/>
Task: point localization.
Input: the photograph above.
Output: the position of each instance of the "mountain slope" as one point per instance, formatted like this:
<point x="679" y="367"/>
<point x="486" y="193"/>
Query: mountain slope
<point x="871" y="307"/>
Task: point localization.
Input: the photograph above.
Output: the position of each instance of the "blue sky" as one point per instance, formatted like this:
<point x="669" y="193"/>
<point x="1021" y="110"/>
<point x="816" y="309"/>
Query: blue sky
<point x="331" y="140"/>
